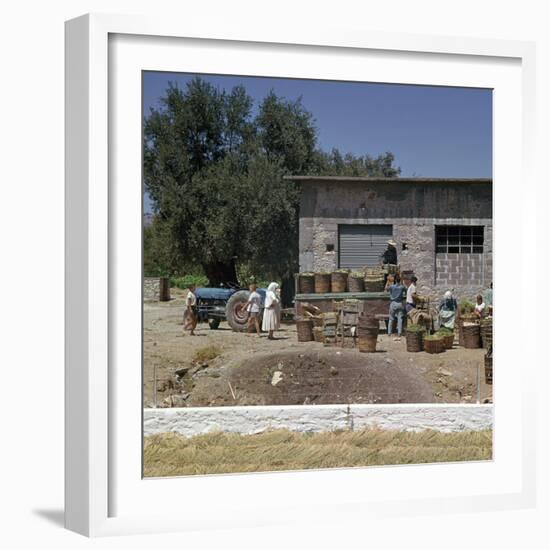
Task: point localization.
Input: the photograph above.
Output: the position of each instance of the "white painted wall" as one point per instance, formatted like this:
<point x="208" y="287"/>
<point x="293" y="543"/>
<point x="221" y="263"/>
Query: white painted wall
<point x="317" y="418"/>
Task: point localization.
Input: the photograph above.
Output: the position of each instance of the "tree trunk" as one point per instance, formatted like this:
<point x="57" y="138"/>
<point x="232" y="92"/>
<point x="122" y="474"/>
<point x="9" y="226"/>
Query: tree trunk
<point x="288" y="290"/>
<point x="220" y="273"/>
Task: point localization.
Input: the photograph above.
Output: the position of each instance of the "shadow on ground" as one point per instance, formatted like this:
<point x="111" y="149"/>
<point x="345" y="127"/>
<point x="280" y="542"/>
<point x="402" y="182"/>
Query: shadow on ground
<point x="56" y="517"/>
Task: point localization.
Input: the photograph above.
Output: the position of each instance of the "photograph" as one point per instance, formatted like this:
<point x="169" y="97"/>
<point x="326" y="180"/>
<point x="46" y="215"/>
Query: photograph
<point x="317" y="274"/>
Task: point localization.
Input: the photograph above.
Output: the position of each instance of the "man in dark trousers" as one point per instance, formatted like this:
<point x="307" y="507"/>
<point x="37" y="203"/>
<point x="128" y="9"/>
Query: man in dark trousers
<point x="397" y="309"/>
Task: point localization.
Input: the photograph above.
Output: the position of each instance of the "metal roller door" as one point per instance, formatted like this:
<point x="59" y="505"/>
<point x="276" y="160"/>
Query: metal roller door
<point x="361" y="245"/>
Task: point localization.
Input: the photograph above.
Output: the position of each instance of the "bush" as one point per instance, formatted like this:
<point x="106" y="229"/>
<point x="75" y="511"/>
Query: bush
<point x="466" y="307"/>
<point x="189" y="279"/>
<point x="208" y="353"/>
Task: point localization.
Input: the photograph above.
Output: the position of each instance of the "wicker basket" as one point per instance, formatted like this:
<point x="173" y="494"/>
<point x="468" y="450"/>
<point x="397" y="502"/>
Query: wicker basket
<point x="465" y="318"/>
<point x="367" y="333"/>
<point x="339" y="281"/>
<point x="367" y="345"/>
<point x="375" y="278"/>
<point x="368" y="321"/>
<point x="372" y="286"/>
<point x="486" y="330"/>
<point x="391" y="269"/>
<point x="471" y="335"/>
<point x="304" y="328"/>
<point x="415" y="340"/>
<point x="489" y="365"/>
<point x="322" y="283"/>
<point x="306" y="283"/>
<point x="449" y="340"/>
<point x="434" y="345"/>
<point x="367" y="339"/>
<point x="356" y="284"/>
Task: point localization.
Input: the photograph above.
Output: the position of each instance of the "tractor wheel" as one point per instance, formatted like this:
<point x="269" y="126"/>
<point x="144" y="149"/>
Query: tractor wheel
<point x="214" y="323"/>
<point x="236" y="316"/>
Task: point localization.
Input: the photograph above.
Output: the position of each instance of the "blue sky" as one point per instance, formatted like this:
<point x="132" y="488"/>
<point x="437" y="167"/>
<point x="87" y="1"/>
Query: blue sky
<point x="433" y="131"/>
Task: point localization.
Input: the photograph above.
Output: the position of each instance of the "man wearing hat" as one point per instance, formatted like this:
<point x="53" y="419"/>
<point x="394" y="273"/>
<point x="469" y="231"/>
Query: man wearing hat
<point x="390" y="254"/>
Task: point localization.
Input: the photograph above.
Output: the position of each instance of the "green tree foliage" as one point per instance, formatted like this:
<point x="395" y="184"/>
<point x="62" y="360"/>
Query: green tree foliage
<point x="287" y="133"/>
<point x="214" y="173"/>
<point x="336" y="164"/>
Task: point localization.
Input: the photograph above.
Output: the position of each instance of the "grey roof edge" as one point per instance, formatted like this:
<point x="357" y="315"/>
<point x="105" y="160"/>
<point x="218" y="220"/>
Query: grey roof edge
<point x="386" y="180"/>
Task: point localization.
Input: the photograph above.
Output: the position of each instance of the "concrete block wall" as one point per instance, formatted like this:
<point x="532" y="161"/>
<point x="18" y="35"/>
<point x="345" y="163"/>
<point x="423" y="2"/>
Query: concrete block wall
<point x="459" y="269"/>
<point x="413" y="210"/>
<point x="468" y="274"/>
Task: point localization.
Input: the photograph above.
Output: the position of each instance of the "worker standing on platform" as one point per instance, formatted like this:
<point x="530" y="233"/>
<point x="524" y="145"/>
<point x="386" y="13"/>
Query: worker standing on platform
<point x="390" y="254"/>
<point x="389" y="260"/>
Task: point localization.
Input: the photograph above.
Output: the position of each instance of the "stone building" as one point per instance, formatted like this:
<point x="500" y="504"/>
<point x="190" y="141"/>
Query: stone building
<point x="442" y="227"/>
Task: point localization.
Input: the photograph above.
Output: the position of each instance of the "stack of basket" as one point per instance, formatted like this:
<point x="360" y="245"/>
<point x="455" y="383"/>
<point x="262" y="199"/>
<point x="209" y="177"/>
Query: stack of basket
<point x="471" y="335"/>
<point x="468" y="319"/>
<point x="374" y="280"/>
<point x="367" y="333"/>
<point x="489" y="365"/>
<point x="486" y="329"/>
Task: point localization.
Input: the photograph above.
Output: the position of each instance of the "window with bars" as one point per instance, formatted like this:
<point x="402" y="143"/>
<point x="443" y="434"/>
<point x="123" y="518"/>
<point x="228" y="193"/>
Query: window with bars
<point x="459" y="239"/>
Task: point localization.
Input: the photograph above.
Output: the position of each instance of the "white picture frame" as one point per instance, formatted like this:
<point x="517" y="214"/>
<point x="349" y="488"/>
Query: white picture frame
<point x="104" y="490"/>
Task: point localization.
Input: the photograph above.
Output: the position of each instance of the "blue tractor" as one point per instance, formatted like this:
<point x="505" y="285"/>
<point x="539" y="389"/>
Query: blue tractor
<point x="225" y="304"/>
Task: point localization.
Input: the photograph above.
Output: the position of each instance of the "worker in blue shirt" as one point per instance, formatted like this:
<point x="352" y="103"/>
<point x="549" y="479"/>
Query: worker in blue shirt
<point x="397" y="309"/>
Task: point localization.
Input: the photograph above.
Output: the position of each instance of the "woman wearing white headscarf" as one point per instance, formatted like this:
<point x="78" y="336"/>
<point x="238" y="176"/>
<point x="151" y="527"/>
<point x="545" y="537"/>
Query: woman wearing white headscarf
<point x="270" y="321"/>
<point x="447" y="310"/>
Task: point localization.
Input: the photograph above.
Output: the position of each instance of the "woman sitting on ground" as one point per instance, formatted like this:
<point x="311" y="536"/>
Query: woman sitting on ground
<point x="270" y="321"/>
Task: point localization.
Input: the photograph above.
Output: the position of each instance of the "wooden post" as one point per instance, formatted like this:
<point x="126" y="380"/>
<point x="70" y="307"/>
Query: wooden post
<point x="155" y="385"/>
<point x="478" y="383"/>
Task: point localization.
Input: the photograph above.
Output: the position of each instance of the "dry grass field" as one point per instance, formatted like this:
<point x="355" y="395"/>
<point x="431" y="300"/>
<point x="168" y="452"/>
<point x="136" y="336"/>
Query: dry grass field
<point x="217" y="453"/>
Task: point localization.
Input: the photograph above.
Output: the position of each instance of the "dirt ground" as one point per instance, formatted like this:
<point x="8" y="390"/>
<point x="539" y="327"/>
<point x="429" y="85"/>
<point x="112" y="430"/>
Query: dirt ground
<point x="222" y="367"/>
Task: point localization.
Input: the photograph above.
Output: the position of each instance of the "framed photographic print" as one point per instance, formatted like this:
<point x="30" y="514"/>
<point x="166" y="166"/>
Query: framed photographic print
<point x="281" y="254"/>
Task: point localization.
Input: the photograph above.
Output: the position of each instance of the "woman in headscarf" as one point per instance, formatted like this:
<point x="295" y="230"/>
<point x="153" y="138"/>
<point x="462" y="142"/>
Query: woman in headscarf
<point x="447" y="311"/>
<point x="270" y="321"/>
